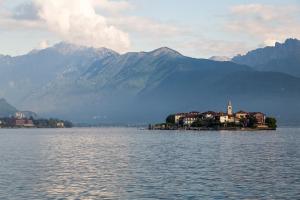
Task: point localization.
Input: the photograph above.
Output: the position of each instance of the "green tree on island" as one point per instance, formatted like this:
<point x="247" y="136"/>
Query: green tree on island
<point x="244" y="122"/>
<point x="271" y="122"/>
<point x="209" y="123"/>
<point x="170" y="119"/>
<point x="252" y="122"/>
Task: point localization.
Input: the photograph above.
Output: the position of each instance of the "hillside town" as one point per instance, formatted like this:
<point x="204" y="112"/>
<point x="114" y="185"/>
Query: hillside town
<point x="210" y="120"/>
<point x="25" y="120"/>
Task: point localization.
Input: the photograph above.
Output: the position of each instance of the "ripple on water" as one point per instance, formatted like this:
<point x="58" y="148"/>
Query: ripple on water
<point x="121" y="163"/>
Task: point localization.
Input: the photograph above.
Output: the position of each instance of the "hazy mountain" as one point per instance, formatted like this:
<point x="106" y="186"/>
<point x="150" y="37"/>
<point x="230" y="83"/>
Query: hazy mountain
<point x="100" y="85"/>
<point x="6" y="109"/>
<point x="280" y="58"/>
<point x="22" y="75"/>
<point x="275" y="93"/>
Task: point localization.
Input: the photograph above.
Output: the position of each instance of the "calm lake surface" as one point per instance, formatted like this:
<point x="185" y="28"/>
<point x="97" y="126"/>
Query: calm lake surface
<point x="126" y="163"/>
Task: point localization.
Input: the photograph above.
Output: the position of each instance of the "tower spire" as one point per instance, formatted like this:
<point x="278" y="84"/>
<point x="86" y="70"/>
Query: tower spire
<point x="229" y="108"/>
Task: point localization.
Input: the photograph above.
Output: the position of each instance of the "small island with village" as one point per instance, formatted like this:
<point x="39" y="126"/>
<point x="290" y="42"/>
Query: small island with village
<point x="27" y="119"/>
<point x="210" y="120"/>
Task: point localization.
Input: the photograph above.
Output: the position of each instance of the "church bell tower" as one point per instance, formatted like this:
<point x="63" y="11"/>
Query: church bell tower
<point x="229" y="109"/>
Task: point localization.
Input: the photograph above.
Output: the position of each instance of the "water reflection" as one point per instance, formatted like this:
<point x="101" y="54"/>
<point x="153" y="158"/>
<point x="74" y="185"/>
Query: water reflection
<point x="133" y="164"/>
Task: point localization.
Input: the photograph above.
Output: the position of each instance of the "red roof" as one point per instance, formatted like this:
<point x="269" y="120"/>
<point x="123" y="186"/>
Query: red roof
<point x="22" y="122"/>
<point x="242" y="112"/>
<point x="255" y="113"/>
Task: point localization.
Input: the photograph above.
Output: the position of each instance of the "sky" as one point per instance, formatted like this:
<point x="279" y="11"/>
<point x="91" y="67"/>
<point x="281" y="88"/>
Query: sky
<point x="197" y="28"/>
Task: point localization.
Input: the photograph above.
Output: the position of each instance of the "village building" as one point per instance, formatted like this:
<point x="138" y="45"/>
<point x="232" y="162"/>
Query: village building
<point x="209" y="115"/>
<point x="186" y="118"/>
<point x="20" y="115"/>
<point x="232" y="117"/>
<point x="222" y="117"/>
<point x="189" y="119"/>
<point x="226" y="119"/>
<point x="241" y="114"/>
<point x="60" y="125"/>
<point x="260" y="117"/>
<point x="27" y="123"/>
<point x="178" y="116"/>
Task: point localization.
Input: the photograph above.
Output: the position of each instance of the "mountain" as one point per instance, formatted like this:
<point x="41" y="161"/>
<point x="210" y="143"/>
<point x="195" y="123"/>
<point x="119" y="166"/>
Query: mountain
<point x="109" y="87"/>
<point x="101" y="86"/>
<point x="283" y="57"/>
<point x="22" y="75"/>
<point x="6" y="109"/>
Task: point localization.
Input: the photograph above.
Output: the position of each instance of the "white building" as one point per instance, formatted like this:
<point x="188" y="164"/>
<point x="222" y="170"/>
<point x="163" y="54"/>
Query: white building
<point x="178" y="116"/>
<point x="20" y="115"/>
<point x="224" y="119"/>
<point x="189" y="120"/>
<point x="227" y="117"/>
<point x="60" y="125"/>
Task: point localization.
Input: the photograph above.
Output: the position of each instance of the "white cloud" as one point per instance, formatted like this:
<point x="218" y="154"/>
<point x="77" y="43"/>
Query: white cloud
<point x="266" y="23"/>
<point x="76" y="21"/>
<point x="208" y="47"/>
<point x="106" y="23"/>
<point x="43" y="44"/>
<point x="113" y="6"/>
<point x="148" y="27"/>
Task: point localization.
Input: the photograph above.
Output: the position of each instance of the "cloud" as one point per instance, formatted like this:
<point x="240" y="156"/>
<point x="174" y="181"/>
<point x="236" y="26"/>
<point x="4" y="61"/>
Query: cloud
<point x="9" y="22"/>
<point x="266" y="23"/>
<point x="76" y="21"/>
<point x="25" y="11"/>
<point x="106" y="23"/>
<point x="208" y="47"/>
<point x="148" y="27"/>
<point x="112" y="6"/>
<point x="43" y="44"/>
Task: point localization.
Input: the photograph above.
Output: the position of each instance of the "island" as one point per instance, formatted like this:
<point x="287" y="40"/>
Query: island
<point x="211" y="120"/>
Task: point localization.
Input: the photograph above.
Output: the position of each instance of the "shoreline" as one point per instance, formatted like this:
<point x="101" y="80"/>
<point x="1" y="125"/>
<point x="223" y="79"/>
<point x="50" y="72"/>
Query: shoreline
<point x="213" y="129"/>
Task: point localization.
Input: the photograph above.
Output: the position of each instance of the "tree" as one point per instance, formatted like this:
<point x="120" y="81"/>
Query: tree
<point x="252" y="122"/>
<point x="244" y="122"/>
<point x="271" y="122"/>
<point x="170" y="119"/>
<point x="209" y="123"/>
<point x="198" y="123"/>
<point x="68" y="124"/>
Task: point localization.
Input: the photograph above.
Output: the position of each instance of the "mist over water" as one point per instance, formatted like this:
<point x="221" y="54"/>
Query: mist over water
<point x="123" y="163"/>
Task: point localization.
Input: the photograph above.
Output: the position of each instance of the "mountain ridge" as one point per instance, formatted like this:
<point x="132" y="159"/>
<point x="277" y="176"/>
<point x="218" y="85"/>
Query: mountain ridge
<point x="283" y="57"/>
<point x="6" y="109"/>
<point x="84" y="85"/>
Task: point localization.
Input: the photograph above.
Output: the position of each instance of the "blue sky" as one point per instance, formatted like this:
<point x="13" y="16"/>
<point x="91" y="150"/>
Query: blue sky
<point x="196" y="28"/>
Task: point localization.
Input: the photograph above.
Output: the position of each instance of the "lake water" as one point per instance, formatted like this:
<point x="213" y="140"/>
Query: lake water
<point x="127" y="163"/>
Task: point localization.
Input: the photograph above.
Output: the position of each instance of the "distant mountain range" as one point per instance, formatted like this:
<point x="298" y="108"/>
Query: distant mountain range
<point x="101" y="86"/>
<point x="6" y="109"/>
<point x="280" y="58"/>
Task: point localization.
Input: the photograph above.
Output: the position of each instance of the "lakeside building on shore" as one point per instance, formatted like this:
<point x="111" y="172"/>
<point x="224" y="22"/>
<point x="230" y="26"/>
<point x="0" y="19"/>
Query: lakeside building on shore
<point x="26" y="123"/>
<point x="21" y="120"/>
